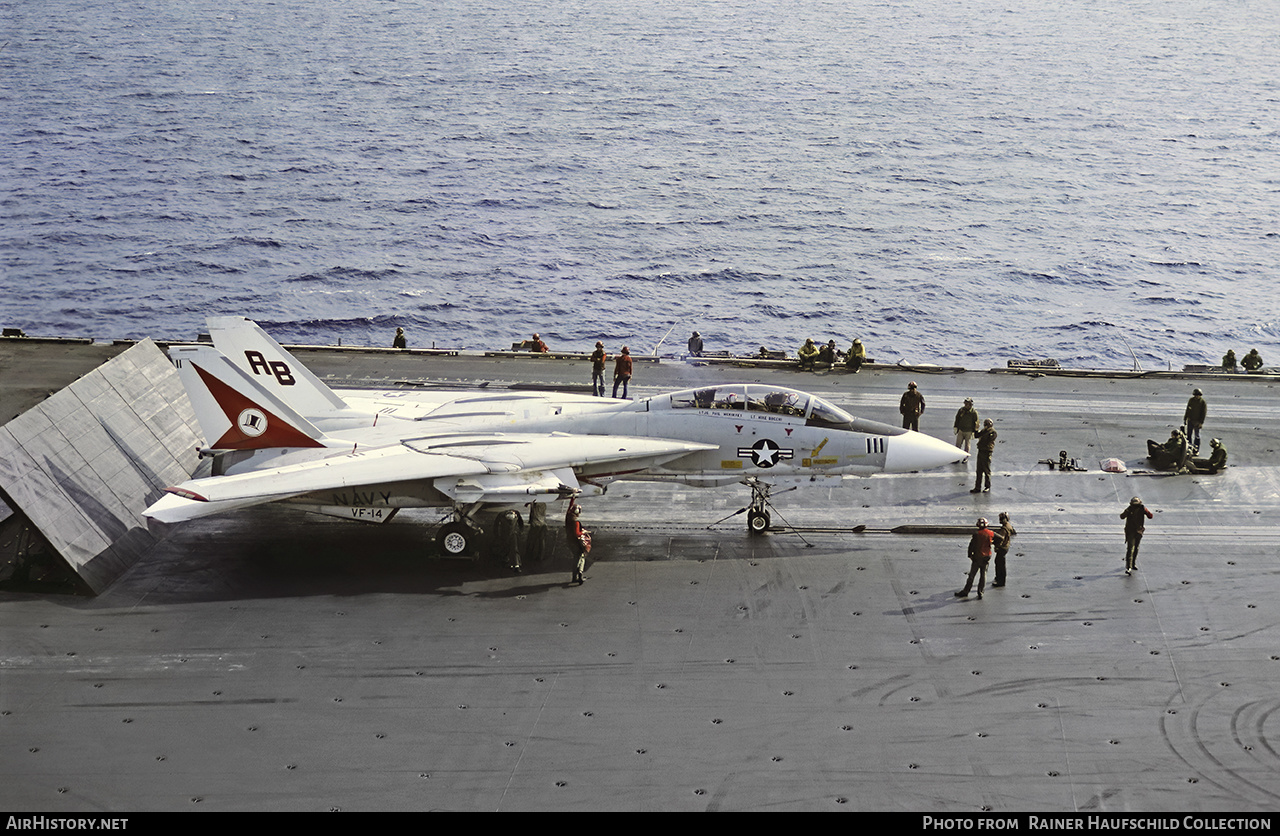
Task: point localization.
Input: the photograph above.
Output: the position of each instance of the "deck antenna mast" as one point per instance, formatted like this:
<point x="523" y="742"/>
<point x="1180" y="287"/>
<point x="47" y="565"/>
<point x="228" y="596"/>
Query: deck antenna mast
<point x="664" y="339"/>
<point x="1137" y="367"/>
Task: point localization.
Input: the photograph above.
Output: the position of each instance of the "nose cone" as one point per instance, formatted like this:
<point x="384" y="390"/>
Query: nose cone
<point x="917" y="451"/>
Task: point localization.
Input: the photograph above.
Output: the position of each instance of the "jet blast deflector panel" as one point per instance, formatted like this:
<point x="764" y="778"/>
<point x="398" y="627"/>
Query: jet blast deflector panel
<point x="81" y="466"/>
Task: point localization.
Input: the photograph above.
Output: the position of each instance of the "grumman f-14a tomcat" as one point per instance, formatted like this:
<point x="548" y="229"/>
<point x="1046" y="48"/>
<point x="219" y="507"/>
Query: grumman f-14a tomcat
<point x="277" y="433"/>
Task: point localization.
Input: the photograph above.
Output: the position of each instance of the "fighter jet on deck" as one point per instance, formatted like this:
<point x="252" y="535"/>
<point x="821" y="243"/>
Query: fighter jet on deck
<point x="277" y="433"/>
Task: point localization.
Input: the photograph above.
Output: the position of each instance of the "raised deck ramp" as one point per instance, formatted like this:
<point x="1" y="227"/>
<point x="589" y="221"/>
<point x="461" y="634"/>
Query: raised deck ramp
<point x="78" y="469"/>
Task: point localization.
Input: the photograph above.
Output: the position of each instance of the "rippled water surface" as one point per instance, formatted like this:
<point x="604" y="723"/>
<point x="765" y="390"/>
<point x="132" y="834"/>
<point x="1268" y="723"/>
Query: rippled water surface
<point x="959" y="182"/>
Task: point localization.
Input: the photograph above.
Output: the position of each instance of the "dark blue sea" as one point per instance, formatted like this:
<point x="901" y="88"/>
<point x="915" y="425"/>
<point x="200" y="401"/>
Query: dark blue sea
<point x="952" y="182"/>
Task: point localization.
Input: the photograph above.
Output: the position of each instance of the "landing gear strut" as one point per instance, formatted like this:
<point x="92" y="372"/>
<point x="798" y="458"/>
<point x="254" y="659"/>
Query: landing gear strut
<point x="758" y="519"/>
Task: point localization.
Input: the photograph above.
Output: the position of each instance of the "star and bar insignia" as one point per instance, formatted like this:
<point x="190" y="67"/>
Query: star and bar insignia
<point x="765" y="453"/>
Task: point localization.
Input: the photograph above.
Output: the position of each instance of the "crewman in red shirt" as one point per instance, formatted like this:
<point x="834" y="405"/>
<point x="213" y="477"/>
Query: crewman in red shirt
<point x="979" y="557"/>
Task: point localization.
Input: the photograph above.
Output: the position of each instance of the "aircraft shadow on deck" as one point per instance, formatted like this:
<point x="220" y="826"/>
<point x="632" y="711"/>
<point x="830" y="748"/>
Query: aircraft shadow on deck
<point x="272" y="553"/>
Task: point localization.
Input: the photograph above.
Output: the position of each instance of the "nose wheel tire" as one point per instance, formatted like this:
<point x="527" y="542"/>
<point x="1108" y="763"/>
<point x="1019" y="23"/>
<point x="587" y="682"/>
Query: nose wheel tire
<point x="757" y="521"/>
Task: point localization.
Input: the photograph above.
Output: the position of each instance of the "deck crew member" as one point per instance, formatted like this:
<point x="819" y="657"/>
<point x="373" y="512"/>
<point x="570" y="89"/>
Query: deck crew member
<point x="966" y="424"/>
<point x="534" y="545"/>
<point x="598" y="359"/>
<point x="856" y="357"/>
<point x="578" y="538"/>
<point x="979" y="556"/>
<point x="506" y="538"/>
<point x="1197" y="411"/>
<point x="986" y="446"/>
<point x="1134" y="527"/>
<point x="1171" y="455"/>
<point x="622" y="372"/>
<point x="1216" y="463"/>
<point x="1003" y="539"/>
<point x="827" y="354"/>
<point x="912" y="407"/>
<point x="808" y="355"/>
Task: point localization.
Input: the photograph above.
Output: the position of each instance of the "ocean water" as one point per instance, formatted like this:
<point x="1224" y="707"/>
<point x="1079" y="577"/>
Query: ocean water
<point x="953" y="183"/>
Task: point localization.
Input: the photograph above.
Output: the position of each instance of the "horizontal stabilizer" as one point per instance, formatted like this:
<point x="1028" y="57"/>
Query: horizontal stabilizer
<point x="172" y="509"/>
<point x="345" y="470"/>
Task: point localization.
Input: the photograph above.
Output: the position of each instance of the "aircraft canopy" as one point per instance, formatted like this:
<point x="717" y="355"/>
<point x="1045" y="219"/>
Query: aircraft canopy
<point x="760" y="397"/>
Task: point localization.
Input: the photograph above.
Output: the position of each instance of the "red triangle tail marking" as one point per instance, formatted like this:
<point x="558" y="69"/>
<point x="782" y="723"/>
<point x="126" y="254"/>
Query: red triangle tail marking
<point x="253" y="427"/>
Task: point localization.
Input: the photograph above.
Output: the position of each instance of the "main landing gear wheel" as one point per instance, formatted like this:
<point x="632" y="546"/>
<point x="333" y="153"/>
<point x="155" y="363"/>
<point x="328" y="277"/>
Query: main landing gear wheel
<point x="757" y="521"/>
<point x="458" y="538"/>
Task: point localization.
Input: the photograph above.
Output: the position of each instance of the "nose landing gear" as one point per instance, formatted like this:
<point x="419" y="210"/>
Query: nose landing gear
<point x="758" y="522"/>
<point x="758" y="519"/>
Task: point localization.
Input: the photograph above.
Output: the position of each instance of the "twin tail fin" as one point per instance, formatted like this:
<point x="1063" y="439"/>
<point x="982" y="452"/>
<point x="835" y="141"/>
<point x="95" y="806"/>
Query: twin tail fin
<point x="235" y="411"/>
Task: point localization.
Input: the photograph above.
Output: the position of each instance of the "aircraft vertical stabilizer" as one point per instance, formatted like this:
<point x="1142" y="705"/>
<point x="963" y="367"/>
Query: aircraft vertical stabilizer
<point x="267" y="362"/>
<point x="235" y="411"/>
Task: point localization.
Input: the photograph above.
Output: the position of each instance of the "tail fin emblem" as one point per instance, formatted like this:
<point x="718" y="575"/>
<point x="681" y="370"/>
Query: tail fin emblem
<point x="252" y="422"/>
<point x="253" y="426"/>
